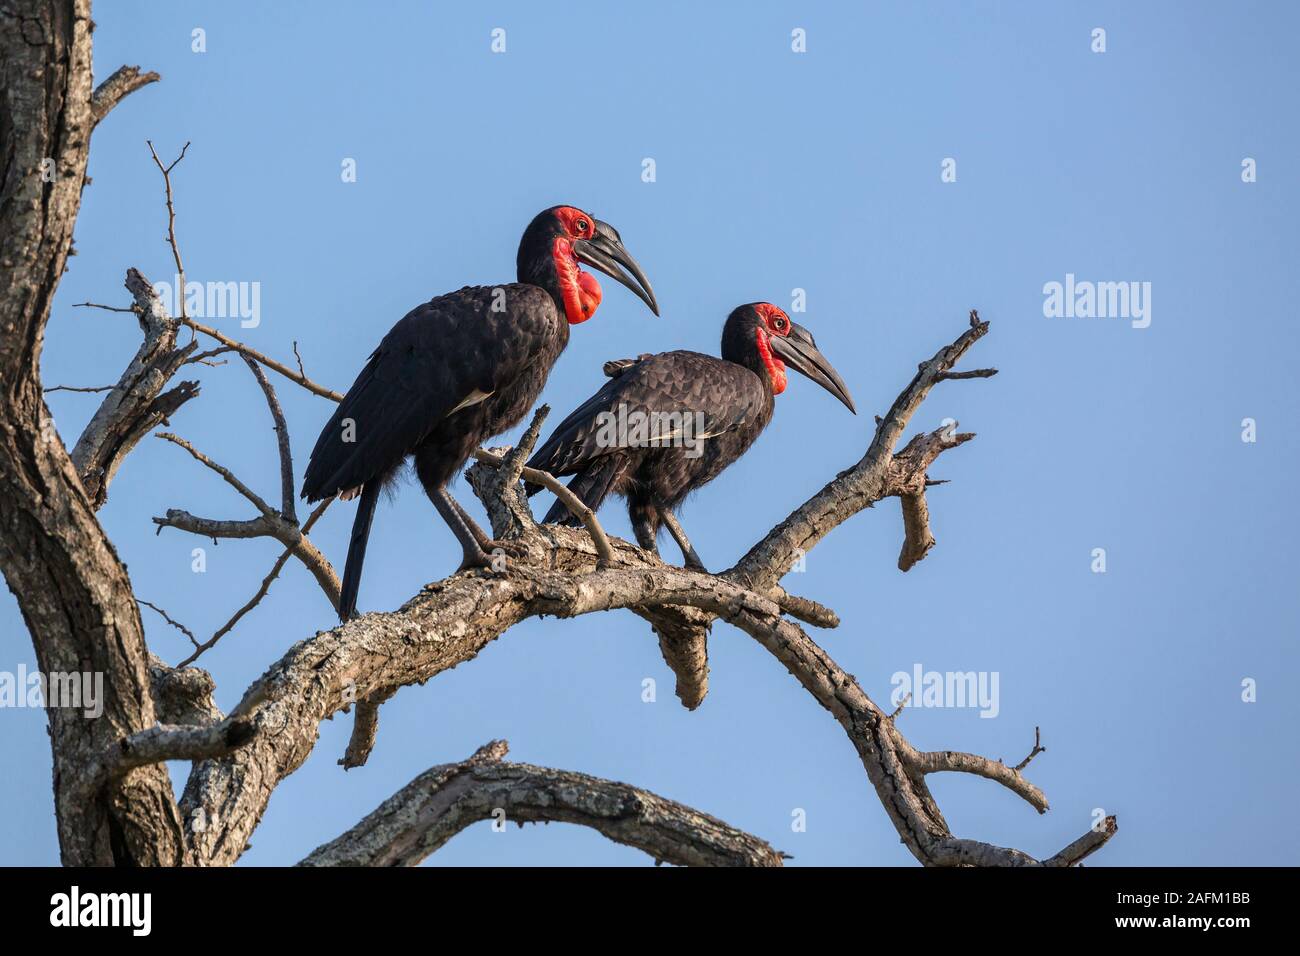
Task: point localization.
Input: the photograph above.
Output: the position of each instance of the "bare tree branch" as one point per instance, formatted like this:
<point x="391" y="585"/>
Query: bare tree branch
<point x="453" y="620"/>
<point x="163" y="742"/>
<point x="973" y="373"/>
<point x="365" y="729"/>
<point x="107" y="308"/>
<point x="229" y="477"/>
<point x="1038" y="748"/>
<point x="293" y="538"/>
<point x="266" y="360"/>
<point x="125" y="81"/>
<point x="908" y="481"/>
<point x="168" y="618"/>
<point x="857" y="488"/>
<point x="75" y="388"/>
<point x="205" y="358"/>
<point x="438" y="804"/>
<point x="287" y="508"/>
<point x="171" y="222"/>
<point x="270" y="523"/>
<point x="1086" y="845"/>
<point x="804" y="609"/>
<point x="995" y="770"/>
<point x="262" y="591"/>
<point x="137" y="404"/>
<point x="177" y="742"/>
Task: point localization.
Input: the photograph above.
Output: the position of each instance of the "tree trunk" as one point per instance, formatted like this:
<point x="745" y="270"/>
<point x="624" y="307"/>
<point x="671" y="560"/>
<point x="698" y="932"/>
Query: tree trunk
<point x="73" y="591"/>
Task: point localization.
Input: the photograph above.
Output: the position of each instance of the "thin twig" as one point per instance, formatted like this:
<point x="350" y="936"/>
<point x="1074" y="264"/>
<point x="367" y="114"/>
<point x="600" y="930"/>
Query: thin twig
<point x="223" y="471"/>
<point x="171" y="221"/>
<point x="282" y="440"/>
<point x="97" y="305"/>
<point x="266" y="360"/>
<point x="262" y="591"/>
<point x="234" y="345"/>
<point x="1038" y="748"/>
<point x="901" y="704"/>
<point x="203" y="358"/>
<point x="74" y="388"/>
<point x="168" y="618"/>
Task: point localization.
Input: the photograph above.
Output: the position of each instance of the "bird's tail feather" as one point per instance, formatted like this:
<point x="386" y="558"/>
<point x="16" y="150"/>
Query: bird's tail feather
<point x="357" y="550"/>
<point x="592" y="485"/>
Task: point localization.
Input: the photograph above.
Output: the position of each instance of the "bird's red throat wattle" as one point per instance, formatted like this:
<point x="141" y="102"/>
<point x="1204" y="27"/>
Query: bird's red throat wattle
<point x="775" y="367"/>
<point x="579" y="290"/>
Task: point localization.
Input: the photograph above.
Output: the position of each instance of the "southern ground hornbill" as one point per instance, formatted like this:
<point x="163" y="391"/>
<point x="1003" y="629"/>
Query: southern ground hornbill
<point x="668" y="424"/>
<point x="458" y="370"/>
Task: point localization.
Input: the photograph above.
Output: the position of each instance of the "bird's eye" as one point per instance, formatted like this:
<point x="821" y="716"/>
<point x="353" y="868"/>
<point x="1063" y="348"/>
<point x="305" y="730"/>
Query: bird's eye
<point x="582" y="225"/>
<point x="779" y="324"/>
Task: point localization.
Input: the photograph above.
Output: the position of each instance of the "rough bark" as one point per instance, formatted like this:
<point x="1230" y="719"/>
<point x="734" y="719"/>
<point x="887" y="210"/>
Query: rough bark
<point x="443" y="801"/>
<point x="72" y="590"/>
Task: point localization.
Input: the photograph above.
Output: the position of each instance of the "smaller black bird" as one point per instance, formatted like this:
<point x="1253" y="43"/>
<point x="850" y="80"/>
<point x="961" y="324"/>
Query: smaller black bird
<point x="668" y="424"/>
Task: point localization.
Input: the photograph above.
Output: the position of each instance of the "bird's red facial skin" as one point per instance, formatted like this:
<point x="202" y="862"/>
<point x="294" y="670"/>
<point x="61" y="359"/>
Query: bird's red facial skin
<point x="580" y="290"/>
<point x="775" y="367"/>
<point x="777" y="322"/>
<point x="773" y="322"/>
<point x="576" y="223"/>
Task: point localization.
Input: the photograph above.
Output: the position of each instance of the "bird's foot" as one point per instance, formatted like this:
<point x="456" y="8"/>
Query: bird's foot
<point x="492" y="555"/>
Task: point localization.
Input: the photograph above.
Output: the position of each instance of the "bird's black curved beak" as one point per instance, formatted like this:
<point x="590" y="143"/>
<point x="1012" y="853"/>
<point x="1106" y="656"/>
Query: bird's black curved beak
<point x="604" y="251"/>
<point x="800" y="352"/>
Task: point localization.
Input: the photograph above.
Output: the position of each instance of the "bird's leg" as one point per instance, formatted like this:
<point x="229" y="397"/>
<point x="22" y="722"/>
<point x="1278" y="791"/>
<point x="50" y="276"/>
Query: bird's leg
<point x="645" y="524"/>
<point x="487" y="543"/>
<point x="474" y="554"/>
<point x="645" y="536"/>
<point x="688" y="551"/>
<point x="478" y="550"/>
<point x="481" y="536"/>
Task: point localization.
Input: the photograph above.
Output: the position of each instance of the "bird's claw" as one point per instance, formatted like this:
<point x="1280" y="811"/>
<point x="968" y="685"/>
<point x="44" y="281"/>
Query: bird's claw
<point x="492" y="555"/>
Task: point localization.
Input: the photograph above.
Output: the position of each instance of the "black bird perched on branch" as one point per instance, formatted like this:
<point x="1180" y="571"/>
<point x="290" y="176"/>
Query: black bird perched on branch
<point x="459" y="369"/>
<point x="668" y="424"/>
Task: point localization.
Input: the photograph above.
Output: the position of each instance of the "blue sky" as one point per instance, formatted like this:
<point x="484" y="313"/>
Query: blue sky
<point x="775" y="171"/>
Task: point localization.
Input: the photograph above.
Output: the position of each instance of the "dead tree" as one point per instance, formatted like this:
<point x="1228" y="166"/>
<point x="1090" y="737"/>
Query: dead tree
<point x="113" y="799"/>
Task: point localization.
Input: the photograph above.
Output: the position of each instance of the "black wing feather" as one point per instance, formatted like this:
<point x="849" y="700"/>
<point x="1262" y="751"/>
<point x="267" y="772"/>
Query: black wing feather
<point x="727" y="394"/>
<point x="437" y="356"/>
